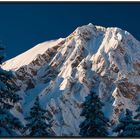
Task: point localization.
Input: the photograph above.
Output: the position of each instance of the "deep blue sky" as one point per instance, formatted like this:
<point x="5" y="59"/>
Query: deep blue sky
<point x="24" y="25"/>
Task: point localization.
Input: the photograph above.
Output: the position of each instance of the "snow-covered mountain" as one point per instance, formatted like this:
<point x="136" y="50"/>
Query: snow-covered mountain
<point x="62" y="72"/>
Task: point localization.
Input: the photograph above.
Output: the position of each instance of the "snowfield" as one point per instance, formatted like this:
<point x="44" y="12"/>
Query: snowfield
<point x="28" y="56"/>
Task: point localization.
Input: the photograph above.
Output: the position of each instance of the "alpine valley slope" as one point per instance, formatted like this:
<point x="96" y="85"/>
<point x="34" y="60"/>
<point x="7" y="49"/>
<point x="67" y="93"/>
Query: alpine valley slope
<point x="62" y="72"/>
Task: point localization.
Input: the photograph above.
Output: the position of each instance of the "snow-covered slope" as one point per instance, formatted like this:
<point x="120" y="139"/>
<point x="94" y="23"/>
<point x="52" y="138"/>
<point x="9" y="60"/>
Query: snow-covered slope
<point x="28" y="56"/>
<point x="62" y="73"/>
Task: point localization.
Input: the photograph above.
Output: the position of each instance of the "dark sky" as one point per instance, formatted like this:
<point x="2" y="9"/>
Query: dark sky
<point x="24" y="25"/>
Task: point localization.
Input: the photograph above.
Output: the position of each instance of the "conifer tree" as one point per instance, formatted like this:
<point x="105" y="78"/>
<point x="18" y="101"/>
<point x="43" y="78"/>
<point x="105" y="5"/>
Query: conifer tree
<point x="37" y="125"/>
<point x="95" y="123"/>
<point x="128" y="127"/>
<point x="9" y="125"/>
<point x="137" y="116"/>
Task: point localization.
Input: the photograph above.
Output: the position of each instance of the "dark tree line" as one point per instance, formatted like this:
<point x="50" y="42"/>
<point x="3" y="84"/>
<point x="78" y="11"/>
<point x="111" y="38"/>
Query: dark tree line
<point x="129" y="127"/>
<point x="9" y="124"/>
<point x="97" y="125"/>
<point x="38" y="124"/>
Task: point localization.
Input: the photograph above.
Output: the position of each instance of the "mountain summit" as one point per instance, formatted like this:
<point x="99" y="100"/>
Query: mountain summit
<point x="62" y="73"/>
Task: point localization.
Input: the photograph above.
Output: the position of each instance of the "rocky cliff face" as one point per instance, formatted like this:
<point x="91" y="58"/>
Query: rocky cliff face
<point x="106" y="60"/>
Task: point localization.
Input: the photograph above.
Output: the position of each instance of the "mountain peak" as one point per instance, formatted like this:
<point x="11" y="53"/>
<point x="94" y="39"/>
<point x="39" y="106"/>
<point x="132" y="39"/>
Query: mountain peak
<point x="84" y="32"/>
<point x="62" y="73"/>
